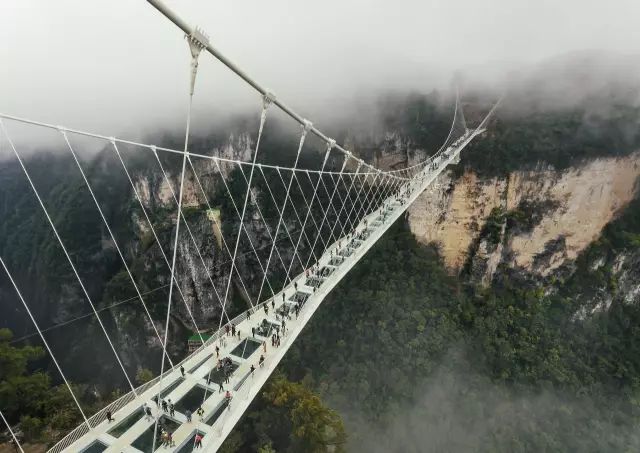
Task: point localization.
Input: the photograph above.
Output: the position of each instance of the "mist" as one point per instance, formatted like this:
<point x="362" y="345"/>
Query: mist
<point x="120" y="68"/>
<point x="460" y="410"/>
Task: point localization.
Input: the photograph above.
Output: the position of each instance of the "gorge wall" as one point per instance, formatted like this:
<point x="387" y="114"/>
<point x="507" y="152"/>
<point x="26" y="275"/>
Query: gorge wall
<point x="531" y="220"/>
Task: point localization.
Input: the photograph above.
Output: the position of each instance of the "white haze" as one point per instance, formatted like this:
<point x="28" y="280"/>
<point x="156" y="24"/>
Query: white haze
<point x="120" y="68"/>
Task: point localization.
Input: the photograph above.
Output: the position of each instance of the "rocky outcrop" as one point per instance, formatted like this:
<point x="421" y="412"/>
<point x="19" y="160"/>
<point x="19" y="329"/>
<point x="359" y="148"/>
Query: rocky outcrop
<point x="532" y="220"/>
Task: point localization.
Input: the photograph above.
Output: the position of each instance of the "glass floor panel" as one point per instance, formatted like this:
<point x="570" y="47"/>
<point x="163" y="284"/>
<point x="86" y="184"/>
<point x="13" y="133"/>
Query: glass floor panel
<point x="300" y="296"/>
<point x="145" y="441"/>
<point x="326" y="271"/>
<point x="200" y="363"/>
<point x="193" y="399"/>
<point x="267" y="328"/>
<point x="246" y="348"/>
<point x="216" y="414"/>
<point x="188" y="446"/>
<point x="127" y="423"/>
<point x="169" y="389"/>
<point x="217" y="375"/>
<point x="315" y="282"/>
<point x="95" y="447"/>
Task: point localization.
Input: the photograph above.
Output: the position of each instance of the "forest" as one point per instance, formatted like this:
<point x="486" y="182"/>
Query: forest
<point x="411" y="359"/>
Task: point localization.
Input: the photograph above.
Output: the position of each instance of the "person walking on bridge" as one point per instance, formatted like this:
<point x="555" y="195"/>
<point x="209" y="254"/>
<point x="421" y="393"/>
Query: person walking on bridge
<point x="198" y="441"/>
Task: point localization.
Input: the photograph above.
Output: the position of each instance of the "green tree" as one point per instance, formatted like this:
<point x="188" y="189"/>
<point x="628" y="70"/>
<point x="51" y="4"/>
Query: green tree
<point x="143" y="375"/>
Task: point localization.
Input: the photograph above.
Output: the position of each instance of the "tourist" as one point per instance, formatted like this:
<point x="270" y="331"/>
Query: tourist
<point x="252" y="369"/>
<point x="233" y="330"/>
<point x="217" y="351"/>
<point x="109" y="417"/>
<point x="226" y="328"/>
<point x="182" y="370"/>
<point x="200" y="412"/>
<point x="253" y="332"/>
<point x="172" y="409"/>
<point x="188" y="415"/>
<point x="273" y="304"/>
<point x="220" y="388"/>
<point x="147" y="412"/>
<point x="198" y="441"/>
<point x="164" y="406"/>
<point x="261" y="361"/>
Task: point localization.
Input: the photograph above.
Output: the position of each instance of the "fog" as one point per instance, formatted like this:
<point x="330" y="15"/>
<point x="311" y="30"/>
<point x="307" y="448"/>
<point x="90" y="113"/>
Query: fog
<point x="120" y="68"/>
<point x="461" y="410"/>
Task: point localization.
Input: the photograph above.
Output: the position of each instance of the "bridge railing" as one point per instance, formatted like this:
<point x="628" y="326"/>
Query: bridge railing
<point x="125" y="399"/>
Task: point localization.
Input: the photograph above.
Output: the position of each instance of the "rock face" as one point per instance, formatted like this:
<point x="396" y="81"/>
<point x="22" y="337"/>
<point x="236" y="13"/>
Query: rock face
<point x="533" y="220"/>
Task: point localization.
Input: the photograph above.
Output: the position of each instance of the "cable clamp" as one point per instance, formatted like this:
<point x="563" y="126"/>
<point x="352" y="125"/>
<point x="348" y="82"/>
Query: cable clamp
<point x="331" y="143"/>
<point x="267" y="99"/>
<point x="198" y="40"/>
<point x="112" y="140"/>
<point x="306" y="125"/>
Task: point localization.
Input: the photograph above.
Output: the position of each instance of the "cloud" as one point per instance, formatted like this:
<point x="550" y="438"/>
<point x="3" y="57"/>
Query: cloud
<point x="120" y="68"/>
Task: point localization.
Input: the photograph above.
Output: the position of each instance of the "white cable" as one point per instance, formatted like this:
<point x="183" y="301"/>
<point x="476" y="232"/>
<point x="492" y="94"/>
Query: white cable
<point x="262" y="217"/>
<point x="295" y="211"/>
<point x="13" y="435"/>
<point x="330" y="145"/>
<point x="308" y="205"/>
<point x="66" y="253"/>
<point x="77" y="318"/>
<point x="113" y="238"/>
<point x="305" y="129"/>
<point x="275" y="205"/>
<point x="46" y="345"/>
<point x="348" y="196"/>
<point x="330" y="203"/>
<point x="155" y="236"/>
<point x="263" y="118"/>
<point x="306" y="217"/>
<point x="159" y="148"/>
<point x="244" y="228"/>
<point x="173" y="261"/>
<point x="353" y="206"/>
<point x="206" y="199"/>
<point x="331" y="206"/>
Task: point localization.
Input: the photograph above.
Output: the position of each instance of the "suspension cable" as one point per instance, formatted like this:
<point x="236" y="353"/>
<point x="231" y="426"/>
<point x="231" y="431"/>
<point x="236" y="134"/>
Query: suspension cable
<point x="305" y="129"/>
<point x="66" y="253"/>
<point x="46" y="344"/>
<point x="13" y="435"/>
<point x="113" y="238"/>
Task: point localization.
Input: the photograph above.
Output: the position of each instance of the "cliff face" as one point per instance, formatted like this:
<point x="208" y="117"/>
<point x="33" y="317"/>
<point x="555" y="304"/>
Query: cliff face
<point x="534" y="221"/>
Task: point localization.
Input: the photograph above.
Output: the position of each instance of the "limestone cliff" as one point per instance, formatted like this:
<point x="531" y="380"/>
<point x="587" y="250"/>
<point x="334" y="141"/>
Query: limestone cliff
<point x="552" y="216"/>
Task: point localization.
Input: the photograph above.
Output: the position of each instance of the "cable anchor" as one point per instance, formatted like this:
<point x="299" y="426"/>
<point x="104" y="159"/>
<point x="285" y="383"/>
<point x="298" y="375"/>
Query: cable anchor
<point x="197" y="40"/>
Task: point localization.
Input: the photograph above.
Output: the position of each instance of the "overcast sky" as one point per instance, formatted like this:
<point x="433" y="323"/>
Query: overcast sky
<point x="118" y="66"/>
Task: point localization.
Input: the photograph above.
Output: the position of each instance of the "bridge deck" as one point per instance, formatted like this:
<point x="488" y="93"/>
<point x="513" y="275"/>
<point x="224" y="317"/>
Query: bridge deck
<point x="132" y="431"/>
